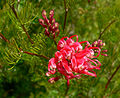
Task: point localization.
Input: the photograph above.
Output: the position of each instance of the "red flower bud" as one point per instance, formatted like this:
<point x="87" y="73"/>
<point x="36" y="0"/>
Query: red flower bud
<point x="51" y="15"/>
<point x="46" y="32"/>
<point x="54" y="79"/>
<point x="44" y="14"/>
<point x="42" y="23"/>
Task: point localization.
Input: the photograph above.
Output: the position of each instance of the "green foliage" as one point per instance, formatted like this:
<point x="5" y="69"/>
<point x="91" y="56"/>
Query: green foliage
<point x="24" y="75"/>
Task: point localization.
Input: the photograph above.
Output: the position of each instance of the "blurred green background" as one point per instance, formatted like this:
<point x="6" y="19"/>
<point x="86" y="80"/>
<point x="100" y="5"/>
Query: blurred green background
<point x="23" y="75"/>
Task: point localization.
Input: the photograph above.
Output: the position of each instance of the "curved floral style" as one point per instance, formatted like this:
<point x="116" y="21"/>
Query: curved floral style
<point x="73" y="59"/>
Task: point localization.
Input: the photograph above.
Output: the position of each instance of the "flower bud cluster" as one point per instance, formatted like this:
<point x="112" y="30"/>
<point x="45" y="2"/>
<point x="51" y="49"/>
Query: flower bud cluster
<point x="99" y="44"/>
<point x="51" y="27"/>
<point x="72" y="60"/>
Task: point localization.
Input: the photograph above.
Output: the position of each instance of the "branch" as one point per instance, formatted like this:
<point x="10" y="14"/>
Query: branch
<point x="22" y="25"/>
<point x="106" y="28"/>
<point x="112" y="77"/>
<point x="66" y="11"/>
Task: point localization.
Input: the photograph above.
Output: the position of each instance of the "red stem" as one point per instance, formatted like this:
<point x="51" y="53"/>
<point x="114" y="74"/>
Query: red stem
<point x="1" y="35"/>
<point x="34" y="54"/>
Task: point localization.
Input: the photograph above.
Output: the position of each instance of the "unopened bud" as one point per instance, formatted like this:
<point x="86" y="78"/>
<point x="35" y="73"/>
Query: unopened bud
<point x="51" y="81"/>
<point x="100" y="42"/>
<point x="53" y="21"/>
<point x="42" y="23"/>
<point x="54" y="79"/>
<point x="56" y="25"/>
<point x="44" y="14"/>
<point x="52" y="13"/>
<point x="46" y="32"/>
<point x="103" y="44"/>
<point x="104" y="54"/>
<point x="95" y="43"/>
<point x="104" y="51"/>
<point x="48" y="74"/>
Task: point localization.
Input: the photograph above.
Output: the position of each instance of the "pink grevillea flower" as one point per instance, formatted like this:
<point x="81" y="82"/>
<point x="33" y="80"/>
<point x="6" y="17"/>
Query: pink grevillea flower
<point x="72" y="59"/>
<point x="51" y="27"/>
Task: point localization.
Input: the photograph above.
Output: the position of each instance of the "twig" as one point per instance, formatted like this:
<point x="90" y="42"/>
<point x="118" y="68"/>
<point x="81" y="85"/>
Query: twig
<point x="2" y="37"/>
<point x="106" y="28"/>
<point x="66" y="11"/>
<point x="112" y="76"/>
<point x="34" y="54"/>
<point x="22" y="25"/>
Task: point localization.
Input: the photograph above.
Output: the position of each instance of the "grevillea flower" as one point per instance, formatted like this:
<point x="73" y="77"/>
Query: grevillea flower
<point x="72" y="59"/>
<point x="51" y="27"/>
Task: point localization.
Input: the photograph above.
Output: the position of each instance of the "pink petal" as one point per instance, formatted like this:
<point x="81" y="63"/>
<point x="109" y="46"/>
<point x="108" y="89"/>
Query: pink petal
<point x="61" y="44"/>
<point x="52" y="64"/>
<point x="69" y="41"/>
<point x="77" y="46"/>
<point x="66" y="67"/>
<point x="74" y="63"/>
<point x="88" y="73"/>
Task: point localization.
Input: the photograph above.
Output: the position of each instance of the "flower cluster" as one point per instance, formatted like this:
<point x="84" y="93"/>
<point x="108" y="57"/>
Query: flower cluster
<point x="51" y="27"/>
<point x="99" y="44"/>
<point x="73" y="59"/>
